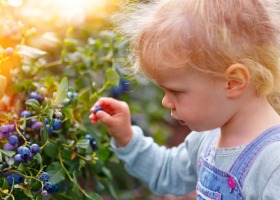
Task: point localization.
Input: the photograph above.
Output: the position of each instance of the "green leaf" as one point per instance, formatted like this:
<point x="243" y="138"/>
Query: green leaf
<point x="112" y="77"/>
<point x="33" y="103"/>
<point x="95" y="196"/>
<point x="7" y="153"/>
<point x="56" y="172"/>
<point x="68" y="112"/>
<point x="38" y="157"/>
<point x="49" y="113"/>
<point x="51" y="150"/>
<point x="62" y="91"/>
<point x="83" y="143"/>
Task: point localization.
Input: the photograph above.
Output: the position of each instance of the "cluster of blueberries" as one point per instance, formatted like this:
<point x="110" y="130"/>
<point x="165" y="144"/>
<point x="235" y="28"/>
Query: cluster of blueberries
<point x="37" y="125"/>
<point x="24" y="153"/>
<point x="48" y="187"/>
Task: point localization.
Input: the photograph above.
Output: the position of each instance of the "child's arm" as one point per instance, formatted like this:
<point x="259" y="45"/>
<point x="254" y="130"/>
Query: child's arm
<point x="115" y="115"/>
<point x="165" y="170"/>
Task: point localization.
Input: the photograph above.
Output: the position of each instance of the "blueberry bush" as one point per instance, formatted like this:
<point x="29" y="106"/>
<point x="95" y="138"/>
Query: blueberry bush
<point x="50" y="76"/>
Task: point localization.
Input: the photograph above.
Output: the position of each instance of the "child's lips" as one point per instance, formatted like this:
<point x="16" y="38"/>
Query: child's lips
<point x="182" y="122"/>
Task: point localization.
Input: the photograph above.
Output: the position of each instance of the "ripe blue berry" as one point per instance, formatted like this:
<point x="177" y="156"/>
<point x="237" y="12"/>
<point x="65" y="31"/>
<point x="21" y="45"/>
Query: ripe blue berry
<point x="93" y="145"/>
<point x="97" y="108"/>
<point x="24" y="153"/>
<point x="25" y="114"/>
<point x="47" y="186"/>
<point x="35" y="148"/>
<point x="4" y="128"/>
<point x="31" y="122"/>
<point x="18" y="158"/>
<point x="13" y="140"/>
<point x="11" y="128"/>
<point x="57" y="124"/>
<point x="89" y="137"/>
<point x="8" y="147"/>
<point x="36" y="96"/>
<point x="37" y="125"/>
<point x="44" y="176"/>
<point x="53" y="189"/>
<point x="49" y="129"/>
<point x="14" y="178"/>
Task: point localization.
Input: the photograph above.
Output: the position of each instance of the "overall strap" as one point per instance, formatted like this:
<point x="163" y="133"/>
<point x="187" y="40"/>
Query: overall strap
<point x="246" y="159"/>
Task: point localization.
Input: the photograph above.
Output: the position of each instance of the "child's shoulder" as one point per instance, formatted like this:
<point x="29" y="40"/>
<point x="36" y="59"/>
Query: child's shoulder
<point x="269" y="156"/>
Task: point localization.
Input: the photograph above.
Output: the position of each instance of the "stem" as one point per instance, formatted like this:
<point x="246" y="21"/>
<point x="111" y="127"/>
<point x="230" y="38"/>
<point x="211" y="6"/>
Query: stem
<point x="7" y="194"/>
<point x="69" y="176"/>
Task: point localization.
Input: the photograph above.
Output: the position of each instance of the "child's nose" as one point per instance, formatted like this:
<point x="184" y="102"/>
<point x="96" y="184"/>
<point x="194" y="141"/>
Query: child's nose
<point x="167" y="103"/>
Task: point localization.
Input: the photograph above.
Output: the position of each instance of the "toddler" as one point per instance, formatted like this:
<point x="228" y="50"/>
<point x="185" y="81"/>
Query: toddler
<point x="218" y="64"/>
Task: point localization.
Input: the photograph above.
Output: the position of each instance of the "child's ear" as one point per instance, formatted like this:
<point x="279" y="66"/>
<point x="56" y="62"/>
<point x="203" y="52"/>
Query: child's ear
<point x="237" y="80"/>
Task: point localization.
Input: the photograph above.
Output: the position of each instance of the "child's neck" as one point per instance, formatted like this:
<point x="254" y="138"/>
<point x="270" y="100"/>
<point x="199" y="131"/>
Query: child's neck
<point x="248" y="123"/>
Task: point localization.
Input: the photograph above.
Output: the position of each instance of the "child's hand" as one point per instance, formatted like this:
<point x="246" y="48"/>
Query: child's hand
<point x="115" y="115"/>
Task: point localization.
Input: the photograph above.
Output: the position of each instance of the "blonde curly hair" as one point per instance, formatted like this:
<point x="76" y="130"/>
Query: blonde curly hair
<point x="208" y="36"/>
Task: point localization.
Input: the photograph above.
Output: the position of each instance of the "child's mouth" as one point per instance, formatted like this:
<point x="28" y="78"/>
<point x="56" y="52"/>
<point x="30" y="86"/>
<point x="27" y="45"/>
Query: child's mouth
<point x="182" y="122"/>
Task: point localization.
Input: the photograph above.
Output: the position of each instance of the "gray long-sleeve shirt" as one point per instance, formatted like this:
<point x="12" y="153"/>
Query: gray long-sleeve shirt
<point x="174" y="170"/>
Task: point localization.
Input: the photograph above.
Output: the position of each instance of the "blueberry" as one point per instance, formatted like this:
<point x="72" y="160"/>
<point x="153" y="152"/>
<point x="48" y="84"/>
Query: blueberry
<point x="4" y="128"/>
<point x="8" y="147"/>
<point x="31" y="122"/>
<point x="5" y="135"/>
<point x="36" y="96"/>
<point x="57" y="124"/>
<point x="14" y="178"/>
<point x="44" y="176"/>
<point x="35" y="148"/>
<point x="53" y="189"/>
<point x="49" y="129"/>
<point x="89" y="137"/>
<point x="10" y="180"/>
<point x="37" y="126"/>
<point x="25" y="114"/>
<point x="30" y="156"/>
<point x="18" y="158"/>
<point x="93" y="145"/>
<point x="46" y="120"/>
<point x="19" y="150"/>
<point x="97" y="108"/>
<point x="72" y="95"/>
<point x="44" y="193"/>
<point x="117" y="91"/>
<point x="13" y="140"/>
<point x="11" y="127"/>
<point x="47" y="186"/>
<point x="18" y="178"/>
<point x="24" y="153"/>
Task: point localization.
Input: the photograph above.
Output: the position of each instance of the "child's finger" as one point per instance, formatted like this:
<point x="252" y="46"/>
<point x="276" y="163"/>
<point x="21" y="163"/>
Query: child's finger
<point x="93" y="118"/>
<point x="104" y="117"/>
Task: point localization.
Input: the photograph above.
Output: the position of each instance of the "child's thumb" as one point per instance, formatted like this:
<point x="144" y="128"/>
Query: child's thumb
<point x="104" y="117"/>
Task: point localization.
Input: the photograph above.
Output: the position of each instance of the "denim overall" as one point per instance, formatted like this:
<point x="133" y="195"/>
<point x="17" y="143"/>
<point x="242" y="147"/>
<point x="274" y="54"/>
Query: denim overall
<point x="215" y="184"/>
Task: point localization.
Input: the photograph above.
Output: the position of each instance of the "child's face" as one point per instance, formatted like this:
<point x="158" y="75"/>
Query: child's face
<point x="195" y="99"/>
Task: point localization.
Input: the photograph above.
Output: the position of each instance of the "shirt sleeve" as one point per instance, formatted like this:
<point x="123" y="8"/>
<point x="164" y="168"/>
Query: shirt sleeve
<point x="165" y="170"/>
